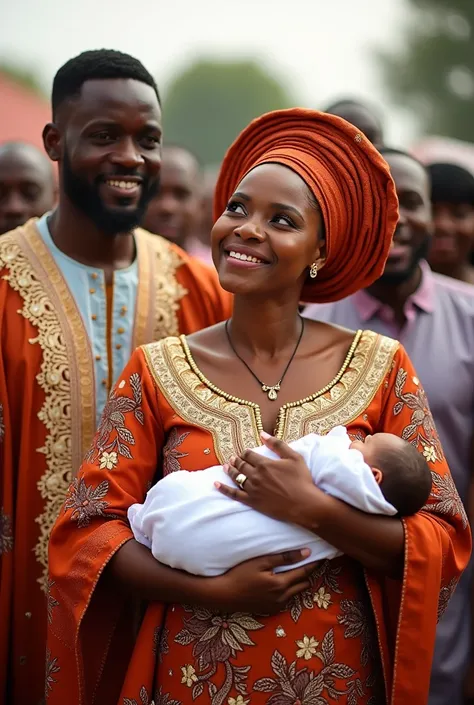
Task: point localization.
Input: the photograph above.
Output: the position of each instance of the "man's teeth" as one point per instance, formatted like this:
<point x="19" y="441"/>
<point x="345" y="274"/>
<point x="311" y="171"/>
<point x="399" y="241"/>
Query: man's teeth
<point x="122" y="184"/>
<point x="245" y="258"/>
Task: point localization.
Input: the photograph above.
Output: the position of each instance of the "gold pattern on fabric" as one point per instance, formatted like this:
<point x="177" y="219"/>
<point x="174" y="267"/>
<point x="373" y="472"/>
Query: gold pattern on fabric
<point x="159" y="292"/>
<point x="66" y="372"/>
<point x="6" y="533"/>
<point x="232" y="425"/>
<point x="421" y="430"/>
<point x="350" y="396"/>
<point x="235" y="423"/>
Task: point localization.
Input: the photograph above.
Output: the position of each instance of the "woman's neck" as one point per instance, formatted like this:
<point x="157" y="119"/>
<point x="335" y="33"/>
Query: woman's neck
<point x="264" y="327"/>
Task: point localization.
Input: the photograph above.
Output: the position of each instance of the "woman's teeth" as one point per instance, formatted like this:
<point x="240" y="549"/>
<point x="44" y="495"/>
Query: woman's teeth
<point x="245" y="258"/>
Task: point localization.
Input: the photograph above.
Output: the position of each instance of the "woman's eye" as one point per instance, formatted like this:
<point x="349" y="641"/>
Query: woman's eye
<point x="283" y="220"/>
<point x="235" y="208"/>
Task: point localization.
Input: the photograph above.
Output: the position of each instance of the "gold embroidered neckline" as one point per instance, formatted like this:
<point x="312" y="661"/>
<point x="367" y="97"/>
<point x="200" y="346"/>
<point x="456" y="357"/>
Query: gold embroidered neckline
<point x="233" y="424"/>
<point x="283" y="409"/>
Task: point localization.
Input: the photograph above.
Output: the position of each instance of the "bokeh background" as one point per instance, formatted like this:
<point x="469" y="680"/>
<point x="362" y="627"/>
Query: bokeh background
<point x="220" y="63"/>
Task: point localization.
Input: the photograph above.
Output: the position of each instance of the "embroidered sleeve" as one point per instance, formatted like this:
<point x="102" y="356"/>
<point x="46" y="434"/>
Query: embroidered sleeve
<point x="124" y="456"/>
<point x="443" y="522"/>
<point x="407" y="414"/>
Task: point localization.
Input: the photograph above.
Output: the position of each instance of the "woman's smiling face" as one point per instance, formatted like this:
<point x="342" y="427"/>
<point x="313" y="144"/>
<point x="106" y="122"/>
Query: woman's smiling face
<point x="268" y="236"/>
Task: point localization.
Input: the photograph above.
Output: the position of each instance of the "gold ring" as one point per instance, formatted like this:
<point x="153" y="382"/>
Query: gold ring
<point x="240" y="480"/>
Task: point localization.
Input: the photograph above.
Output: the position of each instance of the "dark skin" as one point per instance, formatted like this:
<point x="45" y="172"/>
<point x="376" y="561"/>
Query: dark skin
<point x="27" y="187"/>
<point x="206" y="206"/>
<point x="174" y="211"/>
<point x="272" y="217"/>
<point x="453" y="240"/>
<point x="414" y="228"/>
<point x="113" y="127"/>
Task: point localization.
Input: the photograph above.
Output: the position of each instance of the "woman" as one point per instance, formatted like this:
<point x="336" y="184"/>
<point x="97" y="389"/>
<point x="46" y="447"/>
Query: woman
<point x="305" y="209"/>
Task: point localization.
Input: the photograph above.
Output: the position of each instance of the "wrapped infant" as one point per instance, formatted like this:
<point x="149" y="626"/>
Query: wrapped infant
<point x="189" y="525"/>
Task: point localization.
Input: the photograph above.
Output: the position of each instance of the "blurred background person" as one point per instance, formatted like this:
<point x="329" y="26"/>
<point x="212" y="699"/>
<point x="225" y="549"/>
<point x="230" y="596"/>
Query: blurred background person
<point x="452" y="197"/>
<point x="200" y="246"/>
<point x="175" y="210"/>
<point x="27" y="184"/>
<point x="362" y="116"/>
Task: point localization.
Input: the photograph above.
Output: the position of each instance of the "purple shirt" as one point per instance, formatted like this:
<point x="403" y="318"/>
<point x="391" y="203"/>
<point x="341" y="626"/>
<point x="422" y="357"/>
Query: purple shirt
<point x="439" y="338"/>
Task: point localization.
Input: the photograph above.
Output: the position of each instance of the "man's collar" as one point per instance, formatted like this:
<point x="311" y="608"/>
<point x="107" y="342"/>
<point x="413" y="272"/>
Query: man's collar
<point x="368" y="306"/>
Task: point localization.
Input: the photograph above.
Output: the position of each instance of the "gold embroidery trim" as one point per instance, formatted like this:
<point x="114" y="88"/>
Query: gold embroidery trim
<point x="235" y="423"/>
<point x="350" y="396"/>
<point x="232" y="425"/>
<point x="159" y="291"/>
<point x="66" y="372"/>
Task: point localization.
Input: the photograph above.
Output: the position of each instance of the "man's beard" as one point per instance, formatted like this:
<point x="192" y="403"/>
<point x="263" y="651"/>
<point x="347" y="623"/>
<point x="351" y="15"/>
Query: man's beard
<point x="87" y="198"/>
<point x="400" y="277"/>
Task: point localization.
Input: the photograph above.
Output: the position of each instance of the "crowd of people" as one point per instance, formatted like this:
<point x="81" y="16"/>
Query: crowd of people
<point x="160" y="316"/>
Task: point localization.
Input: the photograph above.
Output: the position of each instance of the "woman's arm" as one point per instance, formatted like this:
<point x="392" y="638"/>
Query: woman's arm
<point x="250" y="587"/>
<point x="375" y="541"/>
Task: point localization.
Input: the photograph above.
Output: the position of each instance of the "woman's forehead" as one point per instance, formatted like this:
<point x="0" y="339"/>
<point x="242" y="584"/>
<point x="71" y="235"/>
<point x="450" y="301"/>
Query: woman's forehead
<point x="275" y="181"/>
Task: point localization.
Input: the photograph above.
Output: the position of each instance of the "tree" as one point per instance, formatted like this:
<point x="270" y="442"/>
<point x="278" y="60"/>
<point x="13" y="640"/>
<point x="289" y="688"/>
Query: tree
<point x="433" y="72"/>
<point x="208" y="104"/>
<point x="24" y="77"/>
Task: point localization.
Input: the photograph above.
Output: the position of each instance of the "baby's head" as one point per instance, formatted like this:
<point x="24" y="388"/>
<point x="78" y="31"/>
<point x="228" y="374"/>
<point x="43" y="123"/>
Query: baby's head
<point x="400" y="470"/>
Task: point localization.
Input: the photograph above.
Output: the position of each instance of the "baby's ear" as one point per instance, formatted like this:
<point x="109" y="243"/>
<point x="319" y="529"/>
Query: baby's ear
<point x="378" y="474"/>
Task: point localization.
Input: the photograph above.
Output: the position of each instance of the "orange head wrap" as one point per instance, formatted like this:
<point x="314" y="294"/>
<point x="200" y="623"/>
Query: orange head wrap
<point x="349" y="179"/>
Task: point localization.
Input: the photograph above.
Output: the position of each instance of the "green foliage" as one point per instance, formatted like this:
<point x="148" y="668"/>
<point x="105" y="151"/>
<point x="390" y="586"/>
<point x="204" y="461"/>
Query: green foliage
<point x="432" y="72"/>
<point x="209" y="103"/>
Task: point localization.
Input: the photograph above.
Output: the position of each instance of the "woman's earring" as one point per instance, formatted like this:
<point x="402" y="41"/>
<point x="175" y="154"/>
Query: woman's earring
<point x="313" y="270"/>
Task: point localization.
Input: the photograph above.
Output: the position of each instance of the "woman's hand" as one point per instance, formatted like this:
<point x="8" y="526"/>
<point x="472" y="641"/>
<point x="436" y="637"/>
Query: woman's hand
<point x="254" y="587"/>
<point x="282" y="489"/>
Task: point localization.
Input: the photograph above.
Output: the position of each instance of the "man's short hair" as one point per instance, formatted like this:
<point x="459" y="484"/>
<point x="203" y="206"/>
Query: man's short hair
<point x="96" y="64"/>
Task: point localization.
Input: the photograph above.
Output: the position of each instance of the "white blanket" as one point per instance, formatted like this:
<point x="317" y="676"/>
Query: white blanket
<point x="188" y="524"/>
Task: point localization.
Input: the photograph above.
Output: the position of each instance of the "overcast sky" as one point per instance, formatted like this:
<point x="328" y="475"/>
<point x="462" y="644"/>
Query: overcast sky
<point x="322" y="48"/>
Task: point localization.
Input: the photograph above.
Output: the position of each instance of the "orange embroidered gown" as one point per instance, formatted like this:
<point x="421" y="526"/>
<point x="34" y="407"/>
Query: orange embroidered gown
<point x="354" y="637"/>
<point x="47" y="409"/>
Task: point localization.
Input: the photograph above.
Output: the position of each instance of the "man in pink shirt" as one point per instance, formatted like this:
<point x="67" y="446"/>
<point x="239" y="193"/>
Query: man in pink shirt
<point x="433" y="316"/>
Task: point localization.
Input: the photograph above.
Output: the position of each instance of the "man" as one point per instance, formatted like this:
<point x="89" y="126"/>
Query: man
<point x="452" y="197"/>
<point x="79" y="290"/>
<point x="174" y="211"/>
<point x="26" y="184"/>
<point x="433" y="317"/>
<point x="361" y="116"/>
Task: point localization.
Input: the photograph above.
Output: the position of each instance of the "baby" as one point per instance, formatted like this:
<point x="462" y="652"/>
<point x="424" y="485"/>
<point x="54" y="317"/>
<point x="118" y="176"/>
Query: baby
<point x="188" y="524"/>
